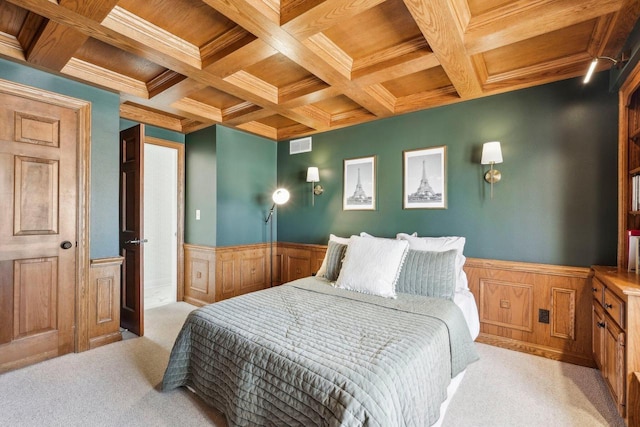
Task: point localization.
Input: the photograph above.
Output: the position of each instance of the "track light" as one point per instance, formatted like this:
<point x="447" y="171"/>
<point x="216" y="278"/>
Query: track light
<point x="594" y="63"/>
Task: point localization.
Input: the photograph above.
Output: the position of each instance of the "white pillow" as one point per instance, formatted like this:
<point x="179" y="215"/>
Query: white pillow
<point x="372" y="265"/>
<point x="322" y="271"/>
<point x="365" y="234"/>
<point x="441" y="244"/>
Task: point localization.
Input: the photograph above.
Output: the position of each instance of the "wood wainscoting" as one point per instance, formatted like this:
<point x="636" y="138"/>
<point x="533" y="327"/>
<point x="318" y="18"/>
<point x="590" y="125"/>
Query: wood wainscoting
<point x="534" y="308"/>
<point x="103" y="315"/>
<point x="217" y="273"/>
<point x="296" y="260"/>
<point x="241" y="269"/>
<point x="539" y="309"/>
<point x="199" y="274"/>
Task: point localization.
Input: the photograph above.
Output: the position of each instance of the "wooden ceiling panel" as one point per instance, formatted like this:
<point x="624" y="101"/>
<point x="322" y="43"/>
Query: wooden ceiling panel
<point x="278" y="71"/>
<point x="378" y="29"/>
<point x="287" y="68"/>
<point x="548" y="47"/>
<point x="478" y="7"/>
<point x="423" y="81"/>
<point x="191" y="20"/>
<point x="119" y="61"/>
<point x="277" y="121"/>
<point x="215" y="98"/>
<point x="338" y="105"/>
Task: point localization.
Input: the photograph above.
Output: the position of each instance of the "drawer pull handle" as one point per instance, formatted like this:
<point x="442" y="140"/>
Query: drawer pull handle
<point x="601" y="325"/>
<point x="608" y="305"/>
<point x="594" y="289"/>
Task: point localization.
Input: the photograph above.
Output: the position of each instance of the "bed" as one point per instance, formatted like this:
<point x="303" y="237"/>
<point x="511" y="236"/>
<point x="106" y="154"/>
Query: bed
<point x="312" y="353"/>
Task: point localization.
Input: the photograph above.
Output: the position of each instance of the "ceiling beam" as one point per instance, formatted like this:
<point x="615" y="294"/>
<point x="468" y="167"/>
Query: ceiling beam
<point x="244" y="14"/>
<point x="137" y="114"/>
<point x="622" y="24"/>
<point x="325" y="15"/>
<point x="66" y="40"/>
<point x="10" y="47"/>
<point x="146" y="47"/>
<point x="441" y="26"/>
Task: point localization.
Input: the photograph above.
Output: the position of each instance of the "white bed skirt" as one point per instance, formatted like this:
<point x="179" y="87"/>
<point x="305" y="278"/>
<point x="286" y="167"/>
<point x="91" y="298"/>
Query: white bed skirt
<point x="451" y="390"/>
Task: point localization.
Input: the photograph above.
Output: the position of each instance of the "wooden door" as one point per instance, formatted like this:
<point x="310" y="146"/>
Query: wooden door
<point x="38" y="241"/>
<point x="131" y="228"/>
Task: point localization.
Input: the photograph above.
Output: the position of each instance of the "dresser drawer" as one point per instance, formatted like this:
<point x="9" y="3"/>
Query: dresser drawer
<point x="614" y="306"/>
<point x="598" y="290"/>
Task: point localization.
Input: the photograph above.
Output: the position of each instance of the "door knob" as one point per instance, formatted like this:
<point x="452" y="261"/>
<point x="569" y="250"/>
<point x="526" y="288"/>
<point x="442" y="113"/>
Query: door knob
<point x="66" y="244"/>
<point x="136" y="241"/>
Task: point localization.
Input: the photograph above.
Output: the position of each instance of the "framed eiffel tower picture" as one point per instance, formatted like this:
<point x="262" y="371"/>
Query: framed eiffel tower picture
<point x="425" y="178"/>
<point x="359" y="192"/>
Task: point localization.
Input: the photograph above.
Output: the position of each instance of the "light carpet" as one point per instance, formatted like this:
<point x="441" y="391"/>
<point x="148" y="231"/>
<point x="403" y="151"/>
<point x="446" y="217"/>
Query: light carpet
<point x="119" y="385"/>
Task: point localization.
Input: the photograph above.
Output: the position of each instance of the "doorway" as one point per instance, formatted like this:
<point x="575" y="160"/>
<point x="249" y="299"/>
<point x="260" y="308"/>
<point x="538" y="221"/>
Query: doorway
<point x="157" y="228"/>
<point x="160" y="225"/>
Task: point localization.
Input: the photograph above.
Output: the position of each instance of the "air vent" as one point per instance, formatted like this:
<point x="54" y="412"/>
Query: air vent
<point x="302" y="145"/>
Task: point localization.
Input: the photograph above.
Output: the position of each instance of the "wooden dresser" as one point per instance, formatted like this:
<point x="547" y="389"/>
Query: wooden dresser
<point x="616" y="331"/>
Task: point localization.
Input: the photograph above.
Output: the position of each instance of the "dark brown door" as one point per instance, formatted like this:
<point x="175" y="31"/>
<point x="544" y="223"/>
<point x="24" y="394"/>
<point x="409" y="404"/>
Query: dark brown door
<point x="38" y="211"/>
<point x="131" y="228"/>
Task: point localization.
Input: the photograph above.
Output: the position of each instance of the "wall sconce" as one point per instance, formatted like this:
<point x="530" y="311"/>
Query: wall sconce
<point x="313" y="176"/>
<point x="491" y="154"/>
<point x="592" y="66"/>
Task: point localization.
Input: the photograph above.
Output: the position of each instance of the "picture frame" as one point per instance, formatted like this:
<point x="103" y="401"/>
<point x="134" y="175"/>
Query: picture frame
<point x="425" y="178"/>
<point x="359" y="184"/>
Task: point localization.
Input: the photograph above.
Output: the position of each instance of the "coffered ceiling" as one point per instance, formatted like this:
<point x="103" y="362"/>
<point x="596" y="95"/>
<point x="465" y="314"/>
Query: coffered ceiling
<point x="288" y="68"/>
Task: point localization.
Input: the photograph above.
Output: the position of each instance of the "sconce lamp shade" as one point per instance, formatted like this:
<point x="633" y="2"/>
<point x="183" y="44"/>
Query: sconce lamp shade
<point x="312" y="174"/>
<point x="280" y="196"/>
<point x="491" y="153"/>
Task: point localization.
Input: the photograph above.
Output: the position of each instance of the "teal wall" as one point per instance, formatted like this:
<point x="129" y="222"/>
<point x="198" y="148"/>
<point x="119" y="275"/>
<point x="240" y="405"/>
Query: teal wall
<point x="105" y="111"/>
<point x="200" y="187"/>
<point x="556" y="203"/>
<point x="230" y="176"/>
<point x="246" y="176"/>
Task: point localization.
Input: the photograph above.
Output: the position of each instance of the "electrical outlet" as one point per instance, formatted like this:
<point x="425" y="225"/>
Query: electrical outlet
<point x="197" y="214"/>
<point x="543" y="316"/>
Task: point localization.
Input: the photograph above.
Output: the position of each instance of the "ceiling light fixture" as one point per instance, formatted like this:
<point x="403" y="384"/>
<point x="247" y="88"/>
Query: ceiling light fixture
<point x="594" y="63"/>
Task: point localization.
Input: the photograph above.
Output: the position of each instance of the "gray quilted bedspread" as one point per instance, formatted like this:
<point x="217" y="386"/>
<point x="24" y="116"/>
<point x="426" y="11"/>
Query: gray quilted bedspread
<point x="308" y="354"/>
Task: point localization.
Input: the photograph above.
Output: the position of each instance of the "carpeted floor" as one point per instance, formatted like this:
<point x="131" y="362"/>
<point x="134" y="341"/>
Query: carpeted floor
<point x="118" y="385"/>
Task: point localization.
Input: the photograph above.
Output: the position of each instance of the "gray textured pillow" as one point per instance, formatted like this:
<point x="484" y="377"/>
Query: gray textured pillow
<point x="334" y="257"/>
<point x="432" y="274"/>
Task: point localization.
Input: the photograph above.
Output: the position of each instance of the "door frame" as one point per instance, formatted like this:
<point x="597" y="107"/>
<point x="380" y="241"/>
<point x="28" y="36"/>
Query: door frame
<point x="83" y="187"/>
<point x="180" y="226"/>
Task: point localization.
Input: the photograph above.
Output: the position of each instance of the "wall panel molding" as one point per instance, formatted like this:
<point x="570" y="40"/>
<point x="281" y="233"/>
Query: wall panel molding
<point x="557" y="302"/>
<point x="103" y="315"/>
<point x="199" y="274"/>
